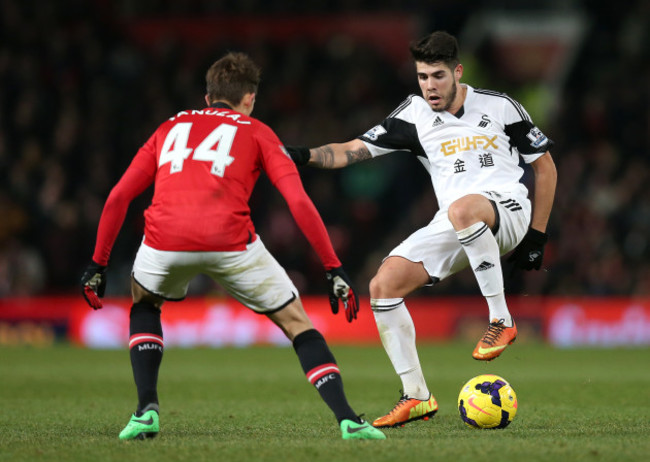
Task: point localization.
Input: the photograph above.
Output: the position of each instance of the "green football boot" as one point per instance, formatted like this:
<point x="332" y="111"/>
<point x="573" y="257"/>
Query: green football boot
<point x="145" y="426"/>
<point x="360" y="431"/>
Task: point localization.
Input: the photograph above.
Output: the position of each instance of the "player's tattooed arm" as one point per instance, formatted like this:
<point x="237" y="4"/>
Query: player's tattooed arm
<point x="322" y="156"/>
<point x="338" y="155"/>
<point x="357" y="155"/>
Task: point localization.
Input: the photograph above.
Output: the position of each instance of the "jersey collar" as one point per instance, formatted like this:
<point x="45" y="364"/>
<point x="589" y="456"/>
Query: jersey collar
<point x="221" y="105"/>
<point x="461" y="111"/>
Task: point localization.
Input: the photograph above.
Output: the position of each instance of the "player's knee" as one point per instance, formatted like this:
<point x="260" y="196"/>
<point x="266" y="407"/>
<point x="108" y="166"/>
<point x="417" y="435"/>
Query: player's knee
<point x="460" y="214"/>
<point x="382" y="286"/>
<point x="374" y="287"/>
<point x="470" y="209"/>
<point x="292" y="319"/>
<point x="397" y="277"/>
<point x="141" y="295"/>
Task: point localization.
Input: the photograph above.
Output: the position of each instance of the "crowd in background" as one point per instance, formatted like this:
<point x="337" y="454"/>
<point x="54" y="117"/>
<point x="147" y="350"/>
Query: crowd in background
<point x="79" y="97"/>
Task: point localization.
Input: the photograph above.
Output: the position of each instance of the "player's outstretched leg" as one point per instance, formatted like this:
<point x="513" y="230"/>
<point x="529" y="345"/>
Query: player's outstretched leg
<point x="322" y="371"/>
<point x="145" y="425"/>
<point x="320" y="368"/>
<point x="407" y="410"/>
<point x="496" y="338"/>
<point x="351" y="430"/>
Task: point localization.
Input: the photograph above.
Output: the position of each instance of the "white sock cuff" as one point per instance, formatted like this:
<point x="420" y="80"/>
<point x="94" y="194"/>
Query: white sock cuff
<point x="472" y="232"/>
<point x="385" y="304"/>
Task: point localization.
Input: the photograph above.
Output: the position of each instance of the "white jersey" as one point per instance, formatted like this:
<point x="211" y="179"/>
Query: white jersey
<point x="474" y="151"/>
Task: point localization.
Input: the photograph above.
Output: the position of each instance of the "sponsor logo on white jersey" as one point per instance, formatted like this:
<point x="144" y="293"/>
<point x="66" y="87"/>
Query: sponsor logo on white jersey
<point x="375" y="132"/>
<point x="468" y="143"/>
<point x="536" y="137"/>
<point x="485" y="122"/>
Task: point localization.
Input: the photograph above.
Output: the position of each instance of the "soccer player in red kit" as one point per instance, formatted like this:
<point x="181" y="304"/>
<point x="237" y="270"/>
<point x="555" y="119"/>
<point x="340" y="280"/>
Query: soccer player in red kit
<point x="204" y="164"/>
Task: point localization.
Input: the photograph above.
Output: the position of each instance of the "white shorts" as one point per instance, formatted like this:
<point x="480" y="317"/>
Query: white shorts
<point x="252" y="276"/>
<point x="437" y="245"/>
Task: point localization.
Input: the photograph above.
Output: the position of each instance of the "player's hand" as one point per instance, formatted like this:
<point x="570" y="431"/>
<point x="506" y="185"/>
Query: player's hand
<point x="340" y="287"/>
<point x="299" y="154"/>
<point x="529" y="253"/>
<point x="93" y="284"/>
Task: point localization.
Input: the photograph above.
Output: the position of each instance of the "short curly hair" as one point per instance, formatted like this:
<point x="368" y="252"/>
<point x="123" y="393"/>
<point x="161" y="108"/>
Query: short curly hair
<point x="231" y="77"/>
<point x="439" y="46"/>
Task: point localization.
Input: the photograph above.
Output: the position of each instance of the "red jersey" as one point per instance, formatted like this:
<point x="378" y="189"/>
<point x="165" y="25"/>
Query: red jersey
<point x="205" y="164"/>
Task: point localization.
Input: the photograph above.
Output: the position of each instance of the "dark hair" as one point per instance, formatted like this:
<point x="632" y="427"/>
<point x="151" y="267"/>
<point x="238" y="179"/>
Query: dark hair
<point x="231" y="77"/>
<point x="436" y="47"/>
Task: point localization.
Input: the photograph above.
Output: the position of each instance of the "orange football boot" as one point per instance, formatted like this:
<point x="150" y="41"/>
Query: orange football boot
<point x="407" y="410"/>
<point x="497" y="337"/>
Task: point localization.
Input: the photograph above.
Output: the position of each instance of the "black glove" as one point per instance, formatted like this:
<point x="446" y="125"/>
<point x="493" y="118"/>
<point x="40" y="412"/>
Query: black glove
<point x="340" y="287"/>
<point x="299" y="154"/>
<point x="529" y="253"/>
<point x="93" y="284"/>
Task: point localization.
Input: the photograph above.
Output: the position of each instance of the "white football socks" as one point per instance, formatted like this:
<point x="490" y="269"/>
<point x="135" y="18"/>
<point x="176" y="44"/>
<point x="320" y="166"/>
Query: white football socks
<point x="397" y="333"/>
<point x="485" y="260"/>
<point x="499" y="309"/>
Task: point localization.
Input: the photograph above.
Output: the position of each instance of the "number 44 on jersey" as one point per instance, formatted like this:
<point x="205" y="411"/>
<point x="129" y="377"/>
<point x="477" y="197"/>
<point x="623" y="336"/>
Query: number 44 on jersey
<point x="175" y="149"/>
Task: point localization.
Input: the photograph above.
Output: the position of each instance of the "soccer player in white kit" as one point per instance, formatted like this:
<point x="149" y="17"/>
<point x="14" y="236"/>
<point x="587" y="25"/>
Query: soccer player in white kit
<point x="470" y="141"/>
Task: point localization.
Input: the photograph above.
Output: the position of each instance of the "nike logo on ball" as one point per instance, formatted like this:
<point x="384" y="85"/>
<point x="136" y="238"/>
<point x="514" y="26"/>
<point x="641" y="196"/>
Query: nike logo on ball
<point x="470" y="401"/>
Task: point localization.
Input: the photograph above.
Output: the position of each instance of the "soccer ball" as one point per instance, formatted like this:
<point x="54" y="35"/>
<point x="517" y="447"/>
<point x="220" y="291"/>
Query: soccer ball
<point x="487" y="401"/>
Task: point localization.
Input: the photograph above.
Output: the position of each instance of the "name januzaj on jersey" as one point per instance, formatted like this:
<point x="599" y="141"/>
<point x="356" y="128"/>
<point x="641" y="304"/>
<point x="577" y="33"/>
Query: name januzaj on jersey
<point x="213" y="112"/>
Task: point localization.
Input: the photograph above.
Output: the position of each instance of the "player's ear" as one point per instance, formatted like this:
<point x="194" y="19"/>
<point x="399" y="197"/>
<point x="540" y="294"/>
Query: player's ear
<point x="207" y="100"/>
<point x="458" y="72"/>
<point x="248" y="101"/>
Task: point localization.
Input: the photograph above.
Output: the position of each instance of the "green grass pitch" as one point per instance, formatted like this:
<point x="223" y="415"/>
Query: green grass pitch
<point x="69" y="404"/>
